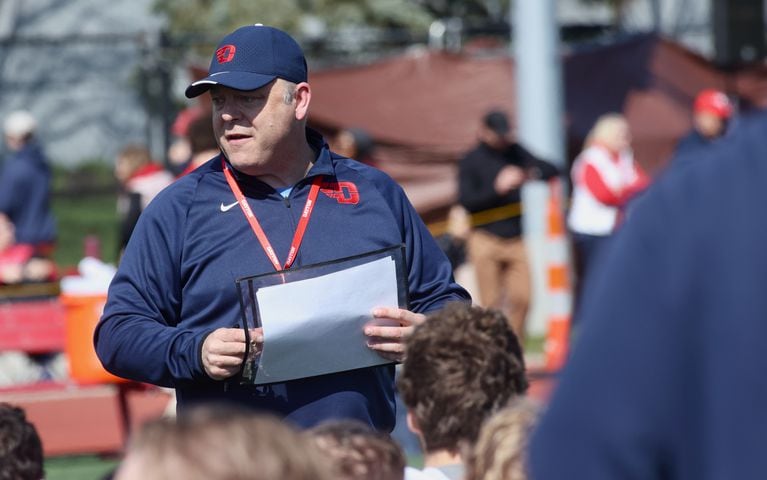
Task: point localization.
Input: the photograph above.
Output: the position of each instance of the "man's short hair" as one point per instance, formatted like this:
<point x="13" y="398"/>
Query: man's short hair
<point x="501" y="449"/>
<point x="463" y="364"/>
<point x="221" y="443"/>
<point x="21" y="451"/>
<point x="357" y="452"/>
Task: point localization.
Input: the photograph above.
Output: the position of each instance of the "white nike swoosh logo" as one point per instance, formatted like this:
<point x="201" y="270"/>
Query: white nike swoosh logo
<point x="226" y="208"/>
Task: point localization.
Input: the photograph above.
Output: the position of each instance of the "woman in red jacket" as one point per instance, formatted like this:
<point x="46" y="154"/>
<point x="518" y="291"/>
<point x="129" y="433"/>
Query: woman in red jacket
<point x="605" y="177"/>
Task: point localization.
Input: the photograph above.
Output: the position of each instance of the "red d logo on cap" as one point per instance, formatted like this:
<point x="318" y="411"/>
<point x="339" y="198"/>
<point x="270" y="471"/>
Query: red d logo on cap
<point x="225" y="53"/>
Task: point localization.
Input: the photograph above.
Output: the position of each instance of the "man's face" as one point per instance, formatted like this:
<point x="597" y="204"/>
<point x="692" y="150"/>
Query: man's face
<point x="14" y="143"/>
<point x="621" y="138"/>
<point x="253" y="126"/>
<point x="123" y="169"/>
<point x="494" y="139"/>
<point x="709" y="124"/>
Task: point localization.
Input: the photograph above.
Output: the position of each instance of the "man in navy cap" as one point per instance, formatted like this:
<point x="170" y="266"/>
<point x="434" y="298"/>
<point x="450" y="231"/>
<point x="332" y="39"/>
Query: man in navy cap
<point x="275" y="198"/>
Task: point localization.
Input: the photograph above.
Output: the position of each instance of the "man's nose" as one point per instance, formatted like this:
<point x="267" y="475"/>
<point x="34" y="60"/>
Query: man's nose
<point x="229" y="111"/>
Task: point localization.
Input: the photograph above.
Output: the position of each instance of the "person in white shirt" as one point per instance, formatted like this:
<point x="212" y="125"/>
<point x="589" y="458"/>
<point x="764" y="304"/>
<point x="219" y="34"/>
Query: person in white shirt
<point x="605" y="178"/>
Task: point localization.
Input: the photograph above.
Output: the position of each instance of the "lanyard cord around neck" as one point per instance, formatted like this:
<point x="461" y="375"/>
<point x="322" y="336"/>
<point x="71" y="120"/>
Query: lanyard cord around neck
<point x="298" y="236"/>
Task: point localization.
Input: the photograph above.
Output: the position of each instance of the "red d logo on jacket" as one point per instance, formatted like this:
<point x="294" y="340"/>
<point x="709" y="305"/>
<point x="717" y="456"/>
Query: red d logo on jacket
<point x="342" y="192"/>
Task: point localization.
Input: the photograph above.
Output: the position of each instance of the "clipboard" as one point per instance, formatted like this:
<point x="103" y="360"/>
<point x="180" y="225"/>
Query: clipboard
<point x="303" y="340"/>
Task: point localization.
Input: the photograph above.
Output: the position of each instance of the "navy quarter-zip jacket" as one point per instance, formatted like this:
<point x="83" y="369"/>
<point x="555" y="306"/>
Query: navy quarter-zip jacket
<point x="176" y="281"/>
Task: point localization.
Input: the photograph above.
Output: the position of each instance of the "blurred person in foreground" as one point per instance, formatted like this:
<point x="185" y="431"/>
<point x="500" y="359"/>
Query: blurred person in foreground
<point x="464" y="364"/>
<point x="711" y="116"/>
<point x="25" y="197"/>
<point x="275" y="198"/>
<point x="217" y="443"/>
<point x="501" y="449"/>
<point x="605" y="178"/>
<point x="140" y="180"/>
<point x="357" y="452"/>
<point x="666" y="380"/>
<point x="21" y="451"/>
<point x="490" y="180"/>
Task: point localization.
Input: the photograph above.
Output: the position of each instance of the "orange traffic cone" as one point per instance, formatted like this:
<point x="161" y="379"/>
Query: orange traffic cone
<point x="559" y="285"/>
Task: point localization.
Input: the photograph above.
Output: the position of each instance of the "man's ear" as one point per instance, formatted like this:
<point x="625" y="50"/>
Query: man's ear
<point x="303" y="98"/>
<point x="412" y="424"/>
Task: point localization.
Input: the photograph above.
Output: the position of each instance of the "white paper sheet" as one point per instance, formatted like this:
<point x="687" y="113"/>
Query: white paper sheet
<point x="315" y="326"/>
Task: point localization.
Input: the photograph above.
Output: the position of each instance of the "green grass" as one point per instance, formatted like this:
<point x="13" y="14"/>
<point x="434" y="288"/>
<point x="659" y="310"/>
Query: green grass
<point x="78" y="216"/>
<point x="88" y="467"/>
<point x="534" y="344"/>
<point x="84" y="203"/>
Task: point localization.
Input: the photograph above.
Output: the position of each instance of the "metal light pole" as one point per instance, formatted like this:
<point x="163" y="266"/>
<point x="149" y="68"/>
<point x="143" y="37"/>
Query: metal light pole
<point x="539" y="79"/>
<point x="540" y="129"/>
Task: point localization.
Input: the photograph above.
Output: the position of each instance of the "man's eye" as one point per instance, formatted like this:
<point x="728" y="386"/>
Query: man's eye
<point x="217" y="101"/>
<point x="250" y="98"/>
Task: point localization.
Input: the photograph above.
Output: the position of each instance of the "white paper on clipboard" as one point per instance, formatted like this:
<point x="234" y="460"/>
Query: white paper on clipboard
<point x="314" y="326"/>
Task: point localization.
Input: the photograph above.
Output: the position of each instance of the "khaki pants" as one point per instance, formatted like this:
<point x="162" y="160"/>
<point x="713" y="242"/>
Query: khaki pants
<point x="503" y="276"/>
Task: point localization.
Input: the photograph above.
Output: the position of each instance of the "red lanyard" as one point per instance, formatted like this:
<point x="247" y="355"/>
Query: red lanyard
<point x="302" y="223"/>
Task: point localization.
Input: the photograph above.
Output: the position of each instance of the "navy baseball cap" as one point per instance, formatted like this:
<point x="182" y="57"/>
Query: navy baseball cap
<point x="251" y="57"/>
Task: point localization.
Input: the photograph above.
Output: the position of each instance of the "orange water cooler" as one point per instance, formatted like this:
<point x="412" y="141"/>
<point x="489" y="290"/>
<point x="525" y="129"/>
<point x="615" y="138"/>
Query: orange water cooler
<point x="82" y="313"/>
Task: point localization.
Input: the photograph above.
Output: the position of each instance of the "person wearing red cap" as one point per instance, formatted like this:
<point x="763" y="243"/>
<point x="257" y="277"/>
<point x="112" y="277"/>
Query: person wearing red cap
<point x="711" y="113"/>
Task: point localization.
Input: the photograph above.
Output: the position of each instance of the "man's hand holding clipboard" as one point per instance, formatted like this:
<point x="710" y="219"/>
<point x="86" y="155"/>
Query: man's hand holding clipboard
<point x="388" y="332"/>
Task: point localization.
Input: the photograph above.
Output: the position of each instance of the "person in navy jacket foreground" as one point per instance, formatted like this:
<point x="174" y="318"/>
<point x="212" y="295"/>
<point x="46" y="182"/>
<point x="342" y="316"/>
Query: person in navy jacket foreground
<point x="667" y="378"/>
<point x="172" y="307"/>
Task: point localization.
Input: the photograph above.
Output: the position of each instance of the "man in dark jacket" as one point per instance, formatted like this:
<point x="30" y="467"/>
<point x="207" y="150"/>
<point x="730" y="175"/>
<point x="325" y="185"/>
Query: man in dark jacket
<point x="275" y="198"/>
<point x="667" y="378"/>
<point x="25" y="183"/>
<point x="490" y="181"/>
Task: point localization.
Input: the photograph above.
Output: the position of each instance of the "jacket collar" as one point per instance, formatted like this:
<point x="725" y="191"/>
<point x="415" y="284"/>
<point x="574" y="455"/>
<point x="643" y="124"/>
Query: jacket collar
<point x="323" y="163"/>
